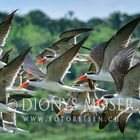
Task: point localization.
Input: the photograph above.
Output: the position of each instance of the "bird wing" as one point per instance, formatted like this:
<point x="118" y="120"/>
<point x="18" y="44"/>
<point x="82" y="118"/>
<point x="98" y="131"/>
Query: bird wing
<point x="1" y="120"/>
<point x="108" y="115"/>
<point x="30" y="67"/>
<point x="57" y="69"/>
<point x="9" y="119"/>
<point x="92" y="68"/>
<point x="5" y="57"/>
<point x="2" y="92"/>
<point x="62" y="47"/>
<point x="121" y="64"/>
<point x="5" y="28"/>
<point x="56" y="48"/>
<point x="118" y="42"/>
<point x="64" y="44"/>
<point x="74" y="33"/>
<point x="131" y="83"/>
<point x="9" y="72"/>
<point x="97" y="54"/>
<point x="122" y="120"/>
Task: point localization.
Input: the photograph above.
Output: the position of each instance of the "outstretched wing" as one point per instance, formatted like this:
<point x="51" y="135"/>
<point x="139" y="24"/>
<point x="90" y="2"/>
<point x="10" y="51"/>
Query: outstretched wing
<point x="9" y="72"/>
<point x="57" y="69"/>
<point x="5" y="28"/>
<point x="72" y="34"/>
<point x="121" y="64"/>
<point x="118" y="42"/>
<point x="132" y="79"/>
<point x="30" y="67"/>
<point x="5" y="57"/>
<point x="97" y="54"/>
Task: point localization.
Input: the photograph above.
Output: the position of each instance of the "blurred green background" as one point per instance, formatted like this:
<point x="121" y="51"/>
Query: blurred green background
<point x="37" y="30"/>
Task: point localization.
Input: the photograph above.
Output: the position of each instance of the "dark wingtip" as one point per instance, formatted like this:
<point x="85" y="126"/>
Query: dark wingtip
<point x="133" y="22"/>
<point x="19" y="96"/>
<point x="102" y="125"/>
<point x="27" y="50"/>
<point x="14" y="12"/>
<point x="5" y="57"/>
<point x="121" y="128"/>
<point x="16" y="62"/>
<point x="103" y="122"/>
<point x="24" y="53"/>
<point x="10" y="16"/>
<point x="11" y="50"/>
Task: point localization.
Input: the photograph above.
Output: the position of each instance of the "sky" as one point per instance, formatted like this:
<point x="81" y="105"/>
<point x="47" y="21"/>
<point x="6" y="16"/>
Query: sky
<point x="83" y="9"/>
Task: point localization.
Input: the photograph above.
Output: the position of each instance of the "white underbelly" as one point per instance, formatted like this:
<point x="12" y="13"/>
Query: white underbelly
<point x="102" y="76"/>
<point x="51" y="85"/>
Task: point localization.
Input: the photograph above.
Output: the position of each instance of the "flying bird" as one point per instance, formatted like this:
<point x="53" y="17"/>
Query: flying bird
<point x="103" y="53"/>
<point x="56" y="71"/>
<point x="125" y="77"/>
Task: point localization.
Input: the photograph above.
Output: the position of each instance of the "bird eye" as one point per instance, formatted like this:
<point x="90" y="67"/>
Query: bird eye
<point x="49" y="56"/>
<point x="108" y="96"/>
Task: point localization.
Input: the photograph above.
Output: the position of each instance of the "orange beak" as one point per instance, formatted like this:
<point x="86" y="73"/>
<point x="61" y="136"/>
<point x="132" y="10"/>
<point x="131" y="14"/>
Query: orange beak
<point x="89" y="61"/>
<point x="28" y="75"/>
<point x="82" y="78"/>
<point x="42" y="60"/>
<point x="25" y="84"/>
<point x="61" y="112"/>
<point x="99" y="102"/>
